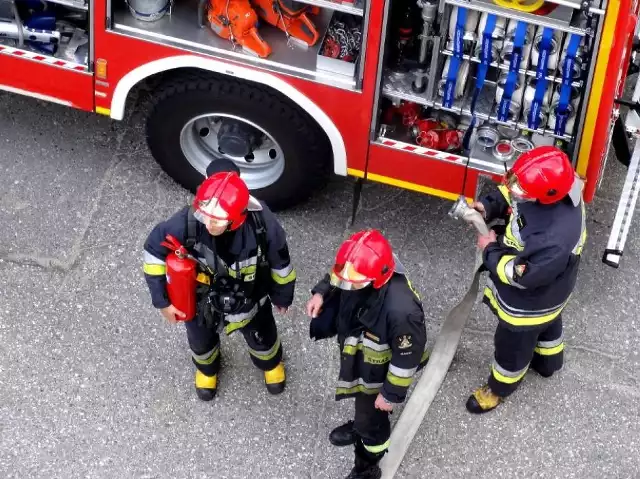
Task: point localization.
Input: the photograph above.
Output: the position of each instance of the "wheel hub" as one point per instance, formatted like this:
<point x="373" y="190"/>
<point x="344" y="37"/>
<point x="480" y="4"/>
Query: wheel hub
<point x="220" y="135"/>
<point x="236" y="138"/>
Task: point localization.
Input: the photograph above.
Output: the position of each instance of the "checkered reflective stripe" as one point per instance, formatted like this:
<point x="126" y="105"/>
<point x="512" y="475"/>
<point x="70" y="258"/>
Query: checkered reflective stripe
<point x="419" y="150"/>
<point x="41" y="58"/>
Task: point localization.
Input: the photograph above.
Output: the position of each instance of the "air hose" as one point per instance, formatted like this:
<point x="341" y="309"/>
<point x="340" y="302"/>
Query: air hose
<point x="441" y="356"/>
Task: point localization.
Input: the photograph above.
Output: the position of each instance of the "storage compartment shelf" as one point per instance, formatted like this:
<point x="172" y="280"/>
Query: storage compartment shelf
<point x="80" y="4"/>
<point x="180" y="29"/>
<point x="44" y="59"/>
<point x="354" y="8"/>
<point x="559" y="19"/>
<point x="480" y="160"/>
<point x="505" y="67"/>
<point x="486" y="106"/>
<point x="52" y="33"/>
<point x="399" y="87"/>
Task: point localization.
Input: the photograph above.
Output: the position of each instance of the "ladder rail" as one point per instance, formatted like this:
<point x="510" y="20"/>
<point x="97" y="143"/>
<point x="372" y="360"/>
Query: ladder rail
<point x="626" y="206"/>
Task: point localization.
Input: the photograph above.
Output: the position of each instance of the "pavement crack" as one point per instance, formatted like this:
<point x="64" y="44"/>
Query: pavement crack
<point x="57" y="264"/>
<point x="597" y="352"/>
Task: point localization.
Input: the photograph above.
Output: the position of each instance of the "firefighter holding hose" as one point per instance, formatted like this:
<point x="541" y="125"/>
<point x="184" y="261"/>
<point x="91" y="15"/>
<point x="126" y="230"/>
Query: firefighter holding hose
<point x="243" y="268"/>
<point x="368" y="302"/>
<point x="533" y="267"/>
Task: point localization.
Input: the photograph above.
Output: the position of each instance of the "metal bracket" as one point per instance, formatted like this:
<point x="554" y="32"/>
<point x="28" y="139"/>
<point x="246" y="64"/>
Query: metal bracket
<point x="585" y="7"/>
<point x="620" y="142"/>
<point x="357" y="193"/>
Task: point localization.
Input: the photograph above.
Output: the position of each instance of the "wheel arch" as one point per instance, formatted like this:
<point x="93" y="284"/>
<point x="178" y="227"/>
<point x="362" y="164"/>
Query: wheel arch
<point x="139" y="74"/>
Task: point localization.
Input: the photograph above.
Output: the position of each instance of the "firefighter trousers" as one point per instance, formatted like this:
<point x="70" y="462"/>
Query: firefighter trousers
<point x="261" y="335"/>
<point x="541" y="348"/>
<point x="372" y="428"/>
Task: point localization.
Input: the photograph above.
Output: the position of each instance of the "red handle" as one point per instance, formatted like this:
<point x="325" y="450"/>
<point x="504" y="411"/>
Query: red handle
<point x="173" y="244"/>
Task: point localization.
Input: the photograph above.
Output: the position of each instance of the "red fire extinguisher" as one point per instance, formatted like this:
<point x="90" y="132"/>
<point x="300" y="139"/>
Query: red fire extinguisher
<point x="181" y="278"/>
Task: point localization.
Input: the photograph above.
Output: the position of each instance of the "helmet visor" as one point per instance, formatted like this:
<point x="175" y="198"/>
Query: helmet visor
<point x="345" y="277"/>
<point x="211" y="214"/>
<point x="514" y="186"/>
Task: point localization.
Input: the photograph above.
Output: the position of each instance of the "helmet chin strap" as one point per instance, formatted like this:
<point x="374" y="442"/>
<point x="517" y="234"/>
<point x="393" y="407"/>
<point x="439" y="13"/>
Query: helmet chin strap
<point x="519" y="199"/>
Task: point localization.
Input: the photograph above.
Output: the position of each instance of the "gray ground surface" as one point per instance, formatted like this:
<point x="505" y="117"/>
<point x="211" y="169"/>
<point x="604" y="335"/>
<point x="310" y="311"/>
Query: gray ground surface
<point x="94" y="384"/>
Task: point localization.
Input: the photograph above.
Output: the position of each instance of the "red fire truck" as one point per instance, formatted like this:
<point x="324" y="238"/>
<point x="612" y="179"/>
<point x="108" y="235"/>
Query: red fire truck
<point x="430" y="95"/>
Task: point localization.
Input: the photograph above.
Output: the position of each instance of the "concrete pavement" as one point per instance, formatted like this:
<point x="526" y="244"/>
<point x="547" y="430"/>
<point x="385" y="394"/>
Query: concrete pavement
<point x="93" y="383"/>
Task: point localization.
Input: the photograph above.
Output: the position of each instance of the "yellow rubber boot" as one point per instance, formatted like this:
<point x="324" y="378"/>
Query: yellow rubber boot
<point x="483" y="400"/>
<point x="275" y="379"/>
<point x="206" y="386"/>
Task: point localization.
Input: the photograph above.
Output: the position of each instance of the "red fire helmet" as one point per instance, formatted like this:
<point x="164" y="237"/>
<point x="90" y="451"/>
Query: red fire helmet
<point x="222" y="198"/>
<point x="365" y="258"/>
<point x="544" y="174"/>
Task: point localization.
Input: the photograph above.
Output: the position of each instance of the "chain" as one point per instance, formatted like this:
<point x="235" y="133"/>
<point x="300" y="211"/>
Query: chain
<point x="342" y="42"/>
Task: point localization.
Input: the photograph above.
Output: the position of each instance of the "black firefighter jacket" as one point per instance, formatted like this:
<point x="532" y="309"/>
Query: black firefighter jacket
<point x="382" y="337"/>
<point x="533" y="266"/>
<point x="237" y="252"/>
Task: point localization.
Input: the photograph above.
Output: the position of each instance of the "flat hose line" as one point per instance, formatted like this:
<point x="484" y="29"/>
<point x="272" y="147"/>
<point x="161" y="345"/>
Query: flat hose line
<point x="440" y="359"/>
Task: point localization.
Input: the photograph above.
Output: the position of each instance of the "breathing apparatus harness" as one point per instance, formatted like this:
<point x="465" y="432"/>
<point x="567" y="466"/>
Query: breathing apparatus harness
<point x="227" y="294"/>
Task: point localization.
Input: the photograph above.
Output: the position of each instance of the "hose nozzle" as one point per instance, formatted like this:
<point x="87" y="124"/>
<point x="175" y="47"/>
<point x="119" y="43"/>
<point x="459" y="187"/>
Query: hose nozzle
<point x="462" y="211"/>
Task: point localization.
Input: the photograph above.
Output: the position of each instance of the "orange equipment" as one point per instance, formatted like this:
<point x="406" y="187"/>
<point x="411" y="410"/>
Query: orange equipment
<point x="290" y="17"/>
<point x="235" y="20"/>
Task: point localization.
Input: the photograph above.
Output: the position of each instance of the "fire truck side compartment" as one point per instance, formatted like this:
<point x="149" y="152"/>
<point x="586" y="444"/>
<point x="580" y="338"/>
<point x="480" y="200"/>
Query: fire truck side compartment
<point x="424" y="164"/>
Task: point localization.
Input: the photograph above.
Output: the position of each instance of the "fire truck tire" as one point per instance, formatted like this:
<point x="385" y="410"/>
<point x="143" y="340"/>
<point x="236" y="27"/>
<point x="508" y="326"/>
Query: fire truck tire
<point x="306" y="149"/>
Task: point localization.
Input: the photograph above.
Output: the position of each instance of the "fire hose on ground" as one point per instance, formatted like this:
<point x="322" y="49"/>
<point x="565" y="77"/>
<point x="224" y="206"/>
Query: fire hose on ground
<point x="441" y="356"/>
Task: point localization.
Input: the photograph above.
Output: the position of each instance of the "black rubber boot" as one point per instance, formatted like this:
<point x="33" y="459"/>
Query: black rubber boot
<point x="206" y="394"/>
<point x="542" y="372"/>
<point x="343" y="435"/>
<point x="365" y="469"/>
<point x="366" y="464"/>
<point x="540" y="369"/>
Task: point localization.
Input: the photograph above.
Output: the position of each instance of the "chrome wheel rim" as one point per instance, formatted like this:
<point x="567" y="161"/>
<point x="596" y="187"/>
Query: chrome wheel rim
<point x="200" y="145"/>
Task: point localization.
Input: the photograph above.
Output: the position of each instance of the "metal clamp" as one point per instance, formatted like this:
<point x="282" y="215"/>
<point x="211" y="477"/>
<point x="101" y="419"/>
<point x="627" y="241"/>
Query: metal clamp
<point x="529" y="96"/>
<point x="514" y="104"/>
<point x="461" y="81"/>
<point x="507" y="132"/>
<point x="503" y="150"/>
<point x="553" y="52"/>
<point x="487" y="136"/>
<point x="499" y="31"/>
<point x="507" y="49"/>
<point x="521" y="145"/>
<point x="470" y="25"/>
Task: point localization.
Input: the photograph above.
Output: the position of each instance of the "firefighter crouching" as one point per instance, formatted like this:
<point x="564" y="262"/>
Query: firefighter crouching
<point x="533" y="267"/>
<point x="244" y="267"/>
<point x="368" y="302"/>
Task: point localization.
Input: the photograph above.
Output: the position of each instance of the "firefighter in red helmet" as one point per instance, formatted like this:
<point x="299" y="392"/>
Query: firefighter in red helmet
<point x="533" y="267"/>
<point x="369" y="303"/>
<point x="244" y="268"/>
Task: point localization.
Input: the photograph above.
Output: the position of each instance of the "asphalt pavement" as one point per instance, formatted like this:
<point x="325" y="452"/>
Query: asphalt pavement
<point x="94" y="384"/>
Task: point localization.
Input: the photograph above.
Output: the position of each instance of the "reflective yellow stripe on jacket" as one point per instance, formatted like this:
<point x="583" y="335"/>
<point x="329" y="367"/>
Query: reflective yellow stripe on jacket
<point x="284" y="275"/>
<point x="153" y="266"/>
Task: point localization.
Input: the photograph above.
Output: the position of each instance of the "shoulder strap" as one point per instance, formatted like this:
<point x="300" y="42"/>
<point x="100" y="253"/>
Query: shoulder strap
<point x="192" y="226"/>
<point x="261" y="233"/>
